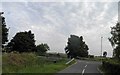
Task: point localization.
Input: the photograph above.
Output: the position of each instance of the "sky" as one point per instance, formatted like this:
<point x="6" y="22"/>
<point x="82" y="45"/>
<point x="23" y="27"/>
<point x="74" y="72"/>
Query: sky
<point x="54" y="22"/>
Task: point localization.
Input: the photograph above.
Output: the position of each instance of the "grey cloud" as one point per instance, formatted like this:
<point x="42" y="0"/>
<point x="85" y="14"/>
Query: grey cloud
<point x="53" y="22"/>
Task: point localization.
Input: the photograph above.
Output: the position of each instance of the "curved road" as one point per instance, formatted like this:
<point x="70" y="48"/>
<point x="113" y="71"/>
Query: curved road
<point x="82" y="67"/>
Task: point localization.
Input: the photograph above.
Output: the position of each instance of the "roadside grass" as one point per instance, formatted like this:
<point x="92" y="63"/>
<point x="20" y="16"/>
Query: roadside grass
<point x="0" y="57"/>
<point x="0" y="63"/>
<point x="30" y="63"/>
<point x="46" y="68"/>
<point x="12" y="62"/>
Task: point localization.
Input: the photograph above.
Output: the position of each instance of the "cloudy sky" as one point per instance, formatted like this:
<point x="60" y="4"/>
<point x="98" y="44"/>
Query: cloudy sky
<point x="54" y="22"/>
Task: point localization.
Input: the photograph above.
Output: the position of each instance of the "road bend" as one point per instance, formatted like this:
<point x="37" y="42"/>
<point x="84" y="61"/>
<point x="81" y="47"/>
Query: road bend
<point x="82" y="67"/>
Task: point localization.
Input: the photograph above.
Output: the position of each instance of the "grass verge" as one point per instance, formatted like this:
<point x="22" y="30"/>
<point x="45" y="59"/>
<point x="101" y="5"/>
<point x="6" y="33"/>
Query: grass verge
<point x="30" y="63"/>
<point x="0" y="63"/>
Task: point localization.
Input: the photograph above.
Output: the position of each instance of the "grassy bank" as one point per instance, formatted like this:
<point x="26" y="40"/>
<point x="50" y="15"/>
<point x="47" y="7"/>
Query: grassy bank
<point x="30" y="63"/>
<point x="0" y="63"/>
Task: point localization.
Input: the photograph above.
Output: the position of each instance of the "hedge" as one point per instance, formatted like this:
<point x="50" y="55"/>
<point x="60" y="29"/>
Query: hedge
<point x="111" y="67"/>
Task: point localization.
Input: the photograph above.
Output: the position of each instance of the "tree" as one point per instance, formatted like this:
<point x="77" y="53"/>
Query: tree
<point x="42" y="48"/>
<point x="76" y="47"/>
<point x="22" y="42"/>
<point x="115" y="40"/>
<point x="104" y="54"/>
<point x="4" y="30"/>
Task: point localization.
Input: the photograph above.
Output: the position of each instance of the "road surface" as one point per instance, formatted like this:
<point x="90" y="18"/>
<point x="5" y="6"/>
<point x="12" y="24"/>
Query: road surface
<point x="82" y="67"/>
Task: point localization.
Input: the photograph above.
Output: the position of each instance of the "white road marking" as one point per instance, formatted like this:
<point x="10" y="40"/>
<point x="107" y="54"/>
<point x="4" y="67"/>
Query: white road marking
<point x="83" y="71"/>
<point x="85" y="65"/>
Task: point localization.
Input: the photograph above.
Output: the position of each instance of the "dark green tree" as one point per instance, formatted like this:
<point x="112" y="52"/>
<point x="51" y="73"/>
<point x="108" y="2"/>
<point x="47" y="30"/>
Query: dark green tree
<point x="76" y="47"/>
<point x="104" y="54"/>
<point x="22" y="42"/>
<point x="4" y="30"/>
<point x="115" y="40"/>
<point x="42" y="48"/>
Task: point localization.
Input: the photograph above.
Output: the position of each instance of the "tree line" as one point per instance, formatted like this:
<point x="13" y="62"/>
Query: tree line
<point x="25" y="42"/>
<point x="115" y="40"/>
<point x="21" y="42"/>
<point x="76" y="46"/>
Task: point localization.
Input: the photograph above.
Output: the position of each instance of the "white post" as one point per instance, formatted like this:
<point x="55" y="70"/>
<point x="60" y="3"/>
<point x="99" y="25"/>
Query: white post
<point x="101" y="49"/>
<point x="101" y="46"/>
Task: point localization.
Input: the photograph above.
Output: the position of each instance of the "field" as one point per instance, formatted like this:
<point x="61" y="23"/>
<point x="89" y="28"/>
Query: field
<point x="30" y="63"/>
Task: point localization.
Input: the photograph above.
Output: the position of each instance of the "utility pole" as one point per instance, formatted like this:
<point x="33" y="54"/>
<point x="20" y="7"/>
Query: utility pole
<point x="101" y="48"/>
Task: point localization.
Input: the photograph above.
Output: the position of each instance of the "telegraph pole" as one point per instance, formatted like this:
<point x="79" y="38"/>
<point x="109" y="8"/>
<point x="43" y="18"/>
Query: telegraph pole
<point x="101" y="48"/>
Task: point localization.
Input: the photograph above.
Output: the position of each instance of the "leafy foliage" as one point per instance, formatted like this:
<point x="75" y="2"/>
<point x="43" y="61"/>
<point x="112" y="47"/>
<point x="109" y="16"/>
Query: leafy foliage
<point x="104" y="54"/>
<point x="76" y="47"/>
<point x="22" y="42"/>
<point x="115" y="40"/>
<point x="42" y="48"/>
<point x="111" y="66"/>
<point x="4" y="30"/>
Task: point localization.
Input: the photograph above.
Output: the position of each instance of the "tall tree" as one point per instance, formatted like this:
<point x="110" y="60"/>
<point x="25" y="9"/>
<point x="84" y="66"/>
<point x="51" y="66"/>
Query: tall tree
<point x="42" y="48"/>
<point x="22" y="42"/>
<point x="115" y="40"/>
<point x="4" y="30"/>
<point x="76" y="47"/>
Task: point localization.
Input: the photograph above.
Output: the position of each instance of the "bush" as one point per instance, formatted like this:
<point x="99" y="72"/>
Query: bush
<point x="111" y="66"/>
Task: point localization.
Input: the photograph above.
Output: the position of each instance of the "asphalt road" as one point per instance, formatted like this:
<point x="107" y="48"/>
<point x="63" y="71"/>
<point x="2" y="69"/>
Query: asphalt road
<point x="82" y="67"/>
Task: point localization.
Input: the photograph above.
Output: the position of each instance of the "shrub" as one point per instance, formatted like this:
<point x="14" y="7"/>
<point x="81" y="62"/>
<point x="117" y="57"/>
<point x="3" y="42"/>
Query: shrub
<point x="111" y="66"/>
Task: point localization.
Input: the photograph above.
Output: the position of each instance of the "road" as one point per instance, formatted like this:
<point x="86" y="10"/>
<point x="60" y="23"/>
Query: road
<point x="82" y="67"/>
